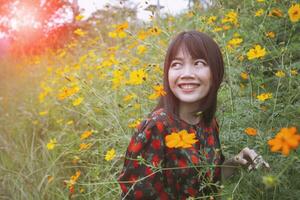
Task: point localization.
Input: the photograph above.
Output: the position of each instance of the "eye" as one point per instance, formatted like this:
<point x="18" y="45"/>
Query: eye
<point x="200" y="62"/>
<point x="175" y="64"/>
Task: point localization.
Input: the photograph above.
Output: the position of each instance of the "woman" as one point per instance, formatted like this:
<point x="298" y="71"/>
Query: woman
<point x="176" y="153"/>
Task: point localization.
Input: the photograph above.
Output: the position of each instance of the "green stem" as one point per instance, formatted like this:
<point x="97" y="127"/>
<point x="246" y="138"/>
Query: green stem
<point x="275" y="103"/>
<point x="286" y="166"/>
<point x="230" y="84"/>
<point x="251" y="88"/>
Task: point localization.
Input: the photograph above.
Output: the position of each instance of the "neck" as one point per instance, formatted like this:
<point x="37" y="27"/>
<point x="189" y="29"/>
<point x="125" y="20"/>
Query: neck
<point x="186" y="112"/>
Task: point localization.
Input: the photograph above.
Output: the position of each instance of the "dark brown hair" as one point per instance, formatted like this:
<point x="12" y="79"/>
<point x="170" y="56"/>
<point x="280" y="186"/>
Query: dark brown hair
<point x="198" y="45"/>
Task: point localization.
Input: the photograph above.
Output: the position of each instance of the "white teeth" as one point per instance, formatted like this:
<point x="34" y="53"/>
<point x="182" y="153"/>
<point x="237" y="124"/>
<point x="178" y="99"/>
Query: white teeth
<point x="188" y="86"/>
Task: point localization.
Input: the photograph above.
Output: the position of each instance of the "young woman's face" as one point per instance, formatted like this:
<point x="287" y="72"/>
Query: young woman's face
<point x="189" y="79"/>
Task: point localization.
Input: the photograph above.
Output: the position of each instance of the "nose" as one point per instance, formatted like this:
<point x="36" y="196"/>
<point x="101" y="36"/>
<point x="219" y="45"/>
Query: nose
<point x="187" y="71"/>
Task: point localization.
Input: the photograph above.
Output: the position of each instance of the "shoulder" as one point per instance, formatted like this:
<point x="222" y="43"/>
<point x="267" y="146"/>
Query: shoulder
<point x="150" y="130"/>
<point x="157" y="119"/>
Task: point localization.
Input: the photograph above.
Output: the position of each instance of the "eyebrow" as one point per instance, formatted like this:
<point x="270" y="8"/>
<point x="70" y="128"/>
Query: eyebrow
<point x="181" y="58"/>
<point x="177" y="58"/>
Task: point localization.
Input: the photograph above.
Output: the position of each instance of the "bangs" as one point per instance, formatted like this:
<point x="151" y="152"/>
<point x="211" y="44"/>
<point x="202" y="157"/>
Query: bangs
<point x="190" y="45"/>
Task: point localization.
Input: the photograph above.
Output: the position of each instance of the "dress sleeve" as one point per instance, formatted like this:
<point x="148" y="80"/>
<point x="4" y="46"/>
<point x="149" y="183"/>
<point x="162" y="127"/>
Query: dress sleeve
<point x="141" y="177"/>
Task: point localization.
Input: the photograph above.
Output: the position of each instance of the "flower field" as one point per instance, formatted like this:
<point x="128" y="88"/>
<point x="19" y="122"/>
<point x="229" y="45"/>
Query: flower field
<point x="67" y="116"/>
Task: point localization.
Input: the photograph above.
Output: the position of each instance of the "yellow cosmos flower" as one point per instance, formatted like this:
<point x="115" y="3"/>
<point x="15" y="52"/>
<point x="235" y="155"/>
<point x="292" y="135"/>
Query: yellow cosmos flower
<point x="122" y="27"/>
<point x="256" y="52"/>
<point x="112" y="34"/>
<point x="294" y="72"/>
<point x="217" y="29"/>
<point x="141" y="49"/>
<point x="181" y="139"/>
<point x="80" y="32"/>
<point x="43" y="113"/>
<point x="118" y="78"/>
<point x="285" y="140"/>
<point x="77" y="101"/>
<point x="66" y="92"/>
<point x="85" y="134"/>
<point x="230" y="17"/>
<point x="70" y="122"/>
<point x="122" y="34"/>
<point x="137" y="106"/>
<point x="241" y="58"/>
<point x="110" y="155"/>
<point x="62" y="54"/>
<point x="211" y="19"/>
<point x="134" y="124"/>
<point x="259" y="12"/>
<point x="190" y="14"/>
<point x="154" y="31"/>
<point x="280" y="74"/>
<point x="137" y="77"/>
<point x="270" y="34"/>
<point x="142" y="35"/>
<point x="129" y="97"/>
<point x="294" y="13"/>
<point x="244" y="75"/>
<point x="119" y="31"/>
<point x="51" y="144"/>
<point x="234" y="42"/>
<point x="264" y="96"/>
<point x="251" y="131"/>
<point x="260" y="1"/>
<point x="79" y="17"/>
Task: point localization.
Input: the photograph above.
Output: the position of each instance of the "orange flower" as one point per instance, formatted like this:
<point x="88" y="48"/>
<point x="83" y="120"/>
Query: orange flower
<point x="244" y="75"/>
<point x="270" y="34"/>
<point x="181" y="139"/>
<point x="85" y="134"/>
<point x="70" y="183"/>
<point x="84" y="146"/>
<point x="285" y="140"/>
<point x="75" y="177"/>
<point x="158" y="91"/>
<point x="275" y="12"/>
<point x="251" y="131"/>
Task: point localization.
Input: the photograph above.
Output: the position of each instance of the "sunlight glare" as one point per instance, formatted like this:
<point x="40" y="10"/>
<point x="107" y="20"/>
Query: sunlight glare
<point x="24" y="18"/>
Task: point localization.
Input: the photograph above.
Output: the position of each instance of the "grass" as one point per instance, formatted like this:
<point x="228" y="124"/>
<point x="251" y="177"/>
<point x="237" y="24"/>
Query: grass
<point x="29" y="86"/>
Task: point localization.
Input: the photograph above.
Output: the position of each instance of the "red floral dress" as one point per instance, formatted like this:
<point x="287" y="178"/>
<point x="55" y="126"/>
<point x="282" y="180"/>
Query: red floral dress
<point x="154" y="171"/>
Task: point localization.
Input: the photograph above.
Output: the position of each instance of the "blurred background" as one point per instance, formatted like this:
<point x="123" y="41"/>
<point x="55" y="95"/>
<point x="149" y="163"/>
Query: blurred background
<point x="77" y="77"/>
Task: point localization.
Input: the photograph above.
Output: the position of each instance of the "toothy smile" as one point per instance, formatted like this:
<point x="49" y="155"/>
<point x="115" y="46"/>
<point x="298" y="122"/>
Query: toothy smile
<point x="189" y="86"/>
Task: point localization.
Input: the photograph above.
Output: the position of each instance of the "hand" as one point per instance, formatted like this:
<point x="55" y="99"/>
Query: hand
<point x="248" y="157"/>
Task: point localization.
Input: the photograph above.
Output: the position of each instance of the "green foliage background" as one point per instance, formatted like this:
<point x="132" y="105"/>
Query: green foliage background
<point x="28" y="170"/>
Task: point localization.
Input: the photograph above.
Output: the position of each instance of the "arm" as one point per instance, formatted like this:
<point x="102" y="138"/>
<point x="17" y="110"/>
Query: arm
<point x="247" y="157"/>
<point x="228" y="168"/>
